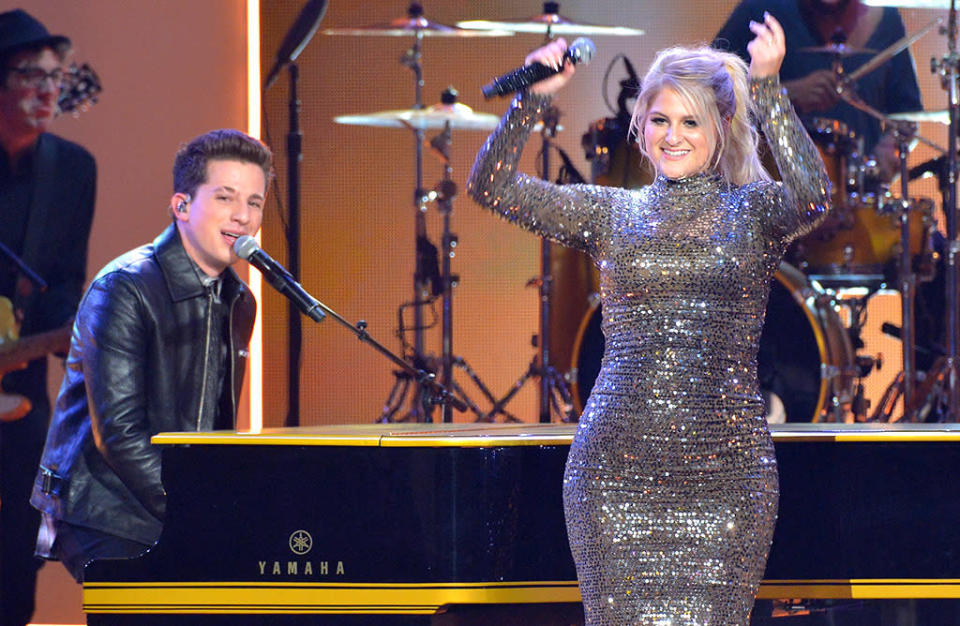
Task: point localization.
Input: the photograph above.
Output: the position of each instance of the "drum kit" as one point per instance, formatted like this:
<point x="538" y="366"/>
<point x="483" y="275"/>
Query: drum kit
<point x="873" y="240"/>
<point x="876" y="238"/>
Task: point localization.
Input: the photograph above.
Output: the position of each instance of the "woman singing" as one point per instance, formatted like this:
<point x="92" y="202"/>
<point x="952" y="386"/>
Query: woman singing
<point x="670" y="491"/>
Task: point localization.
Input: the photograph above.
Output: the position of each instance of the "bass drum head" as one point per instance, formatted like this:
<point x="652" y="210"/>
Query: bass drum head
<point x="790" y="356"/>
<point x="800" y="337"/>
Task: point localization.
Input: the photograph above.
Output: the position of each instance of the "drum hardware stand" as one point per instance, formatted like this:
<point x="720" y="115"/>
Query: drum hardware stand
<point x="444" y="282"/>
<point x="907" y="282"/>
<point x="425" y="256"/>
<point x="905" y="382"/>
<point x="446" y="191"/>
<point x="444" y="194"/>
<point x="941" y="388"/>
<point x="863" y="364"/>
<point x="553" y="390"/>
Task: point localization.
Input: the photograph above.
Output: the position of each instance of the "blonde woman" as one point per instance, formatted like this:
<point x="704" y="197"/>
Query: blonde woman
<point x="670" y="490"/>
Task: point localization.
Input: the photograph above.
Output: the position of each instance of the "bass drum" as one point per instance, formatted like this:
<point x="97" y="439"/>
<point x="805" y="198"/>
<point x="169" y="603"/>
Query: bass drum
<point x="805" y="363"/>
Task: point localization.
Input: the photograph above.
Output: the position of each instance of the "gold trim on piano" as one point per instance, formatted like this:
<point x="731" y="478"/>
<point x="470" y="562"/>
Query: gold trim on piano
<point x="472" y="435"/>
<point x="862" y="589"/>
<point x="314" y="598"/>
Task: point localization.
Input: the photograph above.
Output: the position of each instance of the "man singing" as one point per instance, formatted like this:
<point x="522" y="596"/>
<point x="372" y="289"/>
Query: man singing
<point x="159" y="344"/>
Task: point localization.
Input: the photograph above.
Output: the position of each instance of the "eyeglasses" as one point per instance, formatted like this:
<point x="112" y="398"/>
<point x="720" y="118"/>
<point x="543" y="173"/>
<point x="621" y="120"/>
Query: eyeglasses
<point x="34" y="76"/>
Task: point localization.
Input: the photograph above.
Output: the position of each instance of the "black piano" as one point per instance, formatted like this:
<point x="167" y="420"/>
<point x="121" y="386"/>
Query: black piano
<point x="448" y="523"/>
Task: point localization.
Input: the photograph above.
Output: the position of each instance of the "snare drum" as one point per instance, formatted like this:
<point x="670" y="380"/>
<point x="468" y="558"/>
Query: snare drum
<point x="805" y="358"/>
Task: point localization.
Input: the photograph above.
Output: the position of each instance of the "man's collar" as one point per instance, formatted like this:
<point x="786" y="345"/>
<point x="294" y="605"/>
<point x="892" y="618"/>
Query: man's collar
<point x="184" y="278"/>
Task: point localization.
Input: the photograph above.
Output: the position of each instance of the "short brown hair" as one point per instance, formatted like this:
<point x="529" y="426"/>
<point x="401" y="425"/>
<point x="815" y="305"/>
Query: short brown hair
<point x="190" y="164"/>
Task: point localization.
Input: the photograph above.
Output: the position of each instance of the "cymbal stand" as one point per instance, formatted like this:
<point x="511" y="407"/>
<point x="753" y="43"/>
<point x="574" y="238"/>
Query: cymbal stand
<point x="942" y="386"/>
<point x="905" y="382"/>
<point x="424" y="249"/>
<point x="907" y="281"/>
<point x="552" y="390"/>
<point x="552" y="383"/>
<point x="444" y="194"/>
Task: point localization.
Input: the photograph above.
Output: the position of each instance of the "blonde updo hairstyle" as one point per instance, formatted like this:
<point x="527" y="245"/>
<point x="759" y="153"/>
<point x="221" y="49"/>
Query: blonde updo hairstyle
<point x="715" y="86"/>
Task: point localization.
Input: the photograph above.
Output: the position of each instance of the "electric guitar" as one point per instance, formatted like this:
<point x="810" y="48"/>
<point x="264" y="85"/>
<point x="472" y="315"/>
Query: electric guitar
<point x="16" y="352"/>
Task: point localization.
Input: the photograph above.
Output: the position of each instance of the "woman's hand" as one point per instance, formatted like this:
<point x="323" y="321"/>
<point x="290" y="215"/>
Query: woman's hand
<point x="768" y="47"/>
<point x="551" y="55"/>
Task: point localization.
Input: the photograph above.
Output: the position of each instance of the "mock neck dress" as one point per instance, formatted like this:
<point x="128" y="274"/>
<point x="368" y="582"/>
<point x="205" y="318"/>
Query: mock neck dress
<point x="670" y="490"/>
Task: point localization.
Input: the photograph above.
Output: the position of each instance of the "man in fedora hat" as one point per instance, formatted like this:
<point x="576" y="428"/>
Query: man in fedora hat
<point x="47" y="188"/>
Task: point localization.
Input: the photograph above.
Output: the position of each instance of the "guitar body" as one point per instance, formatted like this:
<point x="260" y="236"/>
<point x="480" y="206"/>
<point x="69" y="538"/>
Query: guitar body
<point x="15" y="353"/>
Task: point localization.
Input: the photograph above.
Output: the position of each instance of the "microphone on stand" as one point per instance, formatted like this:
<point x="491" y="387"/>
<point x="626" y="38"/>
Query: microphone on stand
<point x="247" y="249"/>
<point x="580" y="51"/>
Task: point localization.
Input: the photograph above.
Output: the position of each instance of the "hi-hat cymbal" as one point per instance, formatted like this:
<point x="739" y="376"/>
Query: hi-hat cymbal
<point x="460" y="116"/>
<point x="549" y="21"/>
<point x="942" y="116"/>
<point x="840" y="49"/>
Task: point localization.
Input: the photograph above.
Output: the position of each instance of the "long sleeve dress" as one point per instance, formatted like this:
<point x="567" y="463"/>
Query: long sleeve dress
<point x="670" y="490"/>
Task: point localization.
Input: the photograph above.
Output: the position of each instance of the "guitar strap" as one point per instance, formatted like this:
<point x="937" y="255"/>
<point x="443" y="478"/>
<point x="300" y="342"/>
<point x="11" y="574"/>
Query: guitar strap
<point x="45" y="184"/>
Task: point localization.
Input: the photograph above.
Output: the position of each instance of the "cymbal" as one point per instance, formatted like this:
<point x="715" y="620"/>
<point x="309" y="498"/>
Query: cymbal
<point x="840" y="49"/>
<point x="550" y="21"/>
<point x="942" y="116"/>
<point x="414" y="24"/>
<point x="460" y="116"/>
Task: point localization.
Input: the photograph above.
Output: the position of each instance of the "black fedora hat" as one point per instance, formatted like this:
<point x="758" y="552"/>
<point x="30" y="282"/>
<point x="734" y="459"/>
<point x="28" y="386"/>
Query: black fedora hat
<point x="20" y="30"/>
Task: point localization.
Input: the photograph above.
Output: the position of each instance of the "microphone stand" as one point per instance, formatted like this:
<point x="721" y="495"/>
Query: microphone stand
<point x="293" y="44"/>
<point x="295" y="333"/>
<point x="431" y="392"/>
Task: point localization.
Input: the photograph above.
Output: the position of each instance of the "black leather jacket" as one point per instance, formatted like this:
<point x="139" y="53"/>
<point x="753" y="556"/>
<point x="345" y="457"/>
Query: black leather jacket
<point x="139" y="363"/>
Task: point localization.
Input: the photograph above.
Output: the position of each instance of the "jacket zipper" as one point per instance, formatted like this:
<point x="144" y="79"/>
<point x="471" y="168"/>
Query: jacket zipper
<point x="206" y="358"/>
<point x="233" y="361"/>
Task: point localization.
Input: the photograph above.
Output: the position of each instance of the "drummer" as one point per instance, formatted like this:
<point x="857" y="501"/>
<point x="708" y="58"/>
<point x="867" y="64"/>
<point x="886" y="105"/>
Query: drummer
<point x="808" y="77"/>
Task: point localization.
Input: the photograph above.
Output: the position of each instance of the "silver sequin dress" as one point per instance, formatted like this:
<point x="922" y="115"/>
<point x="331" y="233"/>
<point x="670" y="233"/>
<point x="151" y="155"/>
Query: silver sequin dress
<point x="670" y="491"/>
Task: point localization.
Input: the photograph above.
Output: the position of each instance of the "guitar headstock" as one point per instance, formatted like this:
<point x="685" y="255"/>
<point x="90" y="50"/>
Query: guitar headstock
<point x="80" y="89"/>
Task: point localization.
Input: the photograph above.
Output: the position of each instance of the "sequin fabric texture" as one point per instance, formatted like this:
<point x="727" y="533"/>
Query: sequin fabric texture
<point x="670" y="490"/>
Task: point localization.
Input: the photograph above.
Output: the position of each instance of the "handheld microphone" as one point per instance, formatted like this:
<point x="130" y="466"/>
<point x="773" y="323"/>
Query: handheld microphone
<point x="580" y="51"/>
<point x="247" y="249"/>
